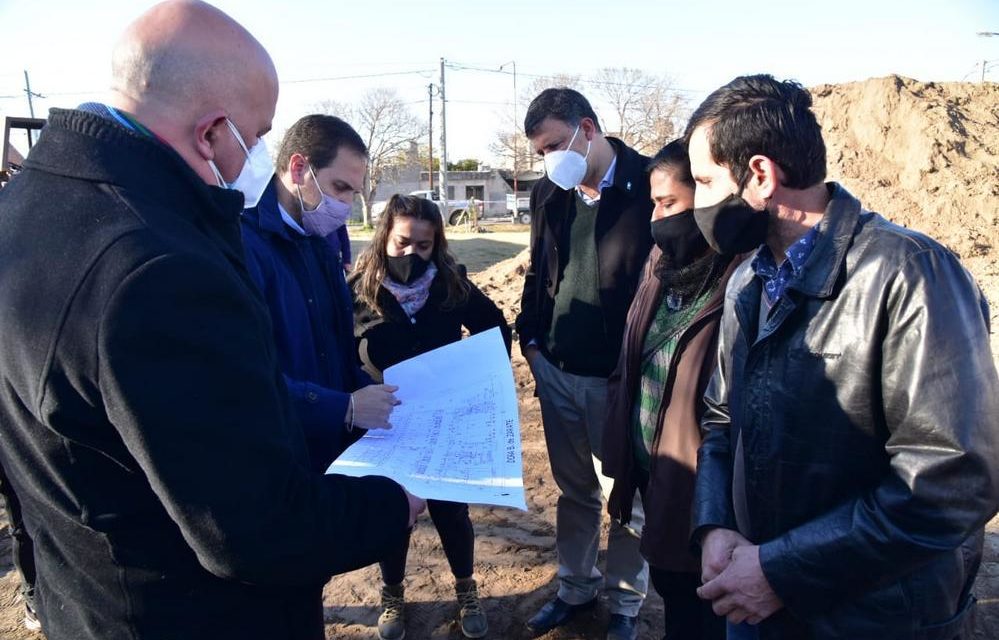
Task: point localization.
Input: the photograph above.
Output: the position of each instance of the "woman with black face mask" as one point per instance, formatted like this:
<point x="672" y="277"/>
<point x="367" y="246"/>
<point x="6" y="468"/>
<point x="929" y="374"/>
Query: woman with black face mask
<point x="652" y="431"/>
<point x="410" y="296"/>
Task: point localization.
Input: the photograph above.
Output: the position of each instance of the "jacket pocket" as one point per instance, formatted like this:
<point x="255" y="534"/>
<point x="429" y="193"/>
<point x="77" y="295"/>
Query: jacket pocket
<point x="959" y="626"/>
<point x="881" y="613"/>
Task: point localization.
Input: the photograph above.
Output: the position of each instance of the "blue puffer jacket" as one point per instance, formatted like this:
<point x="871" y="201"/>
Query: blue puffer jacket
<point x="303" y="285"/>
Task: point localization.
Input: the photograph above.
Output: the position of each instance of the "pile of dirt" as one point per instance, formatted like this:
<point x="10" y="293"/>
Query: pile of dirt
<point x="922" y="154"/>
<point x="925" y="155"/>
<point x="504" y="282"/>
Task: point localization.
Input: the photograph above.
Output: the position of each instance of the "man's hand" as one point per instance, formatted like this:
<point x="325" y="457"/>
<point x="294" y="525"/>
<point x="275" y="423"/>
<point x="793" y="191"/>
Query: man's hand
<point x="716" y="551"/>
<point x="416" y="507"/>
<point x="741" y="593"/>
<point x="373" y="405"/>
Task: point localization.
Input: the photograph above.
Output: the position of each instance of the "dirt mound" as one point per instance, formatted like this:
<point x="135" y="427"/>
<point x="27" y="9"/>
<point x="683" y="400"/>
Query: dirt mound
<point x="503" y="283"/>
<point x="922" y="154"/>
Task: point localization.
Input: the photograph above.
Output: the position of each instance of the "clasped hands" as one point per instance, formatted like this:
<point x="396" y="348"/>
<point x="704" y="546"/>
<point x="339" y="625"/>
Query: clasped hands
<point x="733" y="579"/>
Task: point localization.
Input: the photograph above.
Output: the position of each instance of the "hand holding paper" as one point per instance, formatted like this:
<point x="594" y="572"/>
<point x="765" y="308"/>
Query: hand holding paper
<point x="456" y="431"/>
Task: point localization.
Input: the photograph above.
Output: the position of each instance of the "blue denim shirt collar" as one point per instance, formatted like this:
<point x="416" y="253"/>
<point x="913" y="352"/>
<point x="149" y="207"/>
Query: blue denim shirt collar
<point x="775" y="278"/>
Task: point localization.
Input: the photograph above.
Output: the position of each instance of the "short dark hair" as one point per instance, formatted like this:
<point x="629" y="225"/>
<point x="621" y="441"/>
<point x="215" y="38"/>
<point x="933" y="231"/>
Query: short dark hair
<point x="561" y="103"/>
<point x="319" y="138"/>
<point x="760" y="115"/>
<point x="673" y="158"/>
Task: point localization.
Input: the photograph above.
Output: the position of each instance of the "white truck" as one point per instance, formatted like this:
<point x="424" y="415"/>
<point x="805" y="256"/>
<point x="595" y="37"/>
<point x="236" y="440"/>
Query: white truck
<point x="520" y="211"/>
<point x="455" y="208"/>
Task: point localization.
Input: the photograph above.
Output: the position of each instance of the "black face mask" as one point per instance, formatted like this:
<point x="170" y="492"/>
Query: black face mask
<point x="406" y="269"/>
<point x="679" y="238"/>
<point x="732" y="226"/>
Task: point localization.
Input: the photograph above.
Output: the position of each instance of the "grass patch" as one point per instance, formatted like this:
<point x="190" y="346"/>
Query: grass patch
<point x="477" y="251"/>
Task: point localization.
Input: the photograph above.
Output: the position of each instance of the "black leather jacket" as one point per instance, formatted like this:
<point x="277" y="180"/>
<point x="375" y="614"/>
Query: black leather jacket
<point x="867" y="406"/>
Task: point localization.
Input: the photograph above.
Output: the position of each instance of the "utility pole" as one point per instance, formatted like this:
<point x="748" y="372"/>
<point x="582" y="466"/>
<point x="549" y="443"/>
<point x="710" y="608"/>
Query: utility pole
<point x="430" y="135"/>
<point x="31" y="105"/>
<point x="516" y="139"/>
<point x="27" y="90"/>
<point x="443" y="177"/>
<point x="516" y="144"/>
<point x="985" y="63"/>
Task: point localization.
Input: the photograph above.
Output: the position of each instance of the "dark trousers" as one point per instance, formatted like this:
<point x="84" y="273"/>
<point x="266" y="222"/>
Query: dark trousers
<point x="742" y="631"/>
<point x="457" y="537"/>
<point x="22" y="549"/>
<point x="687" y="616"/>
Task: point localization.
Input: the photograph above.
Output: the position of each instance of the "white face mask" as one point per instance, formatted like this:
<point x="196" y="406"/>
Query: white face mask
<point x="566" y="167"/>
<point x="256" y="173"/>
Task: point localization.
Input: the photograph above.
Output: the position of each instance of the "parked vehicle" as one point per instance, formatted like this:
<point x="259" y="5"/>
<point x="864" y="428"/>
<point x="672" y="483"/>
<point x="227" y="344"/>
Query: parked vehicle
<point x="10" y="158"/>
<point x="521" y="212"/>
<point x="453" y="216"/>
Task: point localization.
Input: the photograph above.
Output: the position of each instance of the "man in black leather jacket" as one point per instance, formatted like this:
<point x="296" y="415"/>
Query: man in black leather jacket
<point x="848" y="466"/>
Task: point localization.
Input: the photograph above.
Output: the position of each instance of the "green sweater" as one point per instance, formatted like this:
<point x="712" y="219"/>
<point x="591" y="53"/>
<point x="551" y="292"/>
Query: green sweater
<point x="657" y="353"/>
<point x="577" y="335"/>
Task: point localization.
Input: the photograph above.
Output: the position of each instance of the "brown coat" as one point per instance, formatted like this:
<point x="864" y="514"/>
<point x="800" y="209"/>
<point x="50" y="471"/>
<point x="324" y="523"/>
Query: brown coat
<point x="667" y="499"/>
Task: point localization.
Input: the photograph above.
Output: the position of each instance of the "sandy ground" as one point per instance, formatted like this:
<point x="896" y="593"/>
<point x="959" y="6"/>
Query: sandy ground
<point x="515" y="567"/>
<point x="515" y="557"/>
<point x="924" y="153"/>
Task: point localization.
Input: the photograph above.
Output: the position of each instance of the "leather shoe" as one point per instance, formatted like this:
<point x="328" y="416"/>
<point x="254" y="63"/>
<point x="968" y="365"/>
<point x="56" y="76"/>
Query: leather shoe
<point x="622" y="627"/>
<point x="555" y="614"/>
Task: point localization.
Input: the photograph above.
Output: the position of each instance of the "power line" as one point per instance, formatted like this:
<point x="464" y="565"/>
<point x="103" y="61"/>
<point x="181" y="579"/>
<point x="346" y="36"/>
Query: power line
<point x="422" y="72"/>
<point x="492" y="102"/>
<point x="607" y="83"/>
<point x="49" y="94"/>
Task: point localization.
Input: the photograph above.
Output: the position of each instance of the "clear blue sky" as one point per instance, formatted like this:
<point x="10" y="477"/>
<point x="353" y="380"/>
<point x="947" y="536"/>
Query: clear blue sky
<point x="65" y="45"/>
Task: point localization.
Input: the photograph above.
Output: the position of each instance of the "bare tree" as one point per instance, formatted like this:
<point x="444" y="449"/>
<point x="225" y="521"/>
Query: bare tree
<point x="388" y="128"/>
<point x="341" y="110"/>
<point x="540" y="83"/>
<point x="647" y="110"/>
<point x="511" y="147"/>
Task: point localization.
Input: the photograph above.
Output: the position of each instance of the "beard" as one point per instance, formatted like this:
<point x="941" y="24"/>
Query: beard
<point x="686" y="283"/>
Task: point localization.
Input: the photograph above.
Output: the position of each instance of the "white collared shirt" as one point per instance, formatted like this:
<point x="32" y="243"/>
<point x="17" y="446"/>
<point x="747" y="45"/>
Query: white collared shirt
<point x="607" y="181"/>
<point x="288" y="220"/>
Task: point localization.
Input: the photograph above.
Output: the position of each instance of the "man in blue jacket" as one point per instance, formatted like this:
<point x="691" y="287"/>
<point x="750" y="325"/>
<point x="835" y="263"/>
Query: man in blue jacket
<point x="321" y="165"/>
